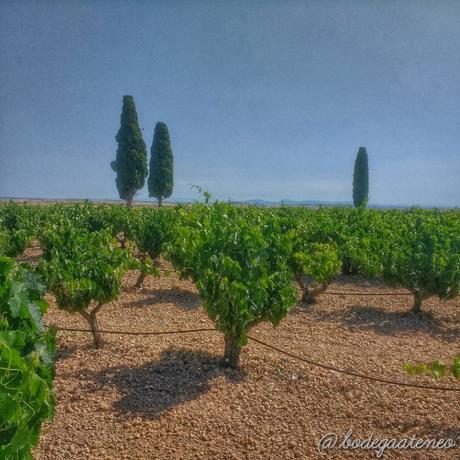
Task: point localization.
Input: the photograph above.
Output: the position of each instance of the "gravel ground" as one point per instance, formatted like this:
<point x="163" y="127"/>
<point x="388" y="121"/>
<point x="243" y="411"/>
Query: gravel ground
<point x="166" y="397"/>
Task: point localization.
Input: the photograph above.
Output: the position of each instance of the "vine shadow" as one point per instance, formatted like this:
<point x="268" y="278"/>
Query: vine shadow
<point x="384" y="322"/>
<point x="435" y="430"/>
<point x="182" y="298"/>
<point x="424" y="429"/>
<point x="180" y="375"/>
<point x="64" y="351"/>
<point x="344" y="281"/>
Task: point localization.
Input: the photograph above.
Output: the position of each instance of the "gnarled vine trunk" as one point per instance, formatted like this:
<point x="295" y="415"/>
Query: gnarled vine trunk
<point x="140" y="280"/>
<point x="417" y="306"/>
<point x="309" y="296"/>
<point x="232" y="351"/>
<point x="142" y="274"/>
<point x="347" y="267"/>
<point x="93" y="324"/>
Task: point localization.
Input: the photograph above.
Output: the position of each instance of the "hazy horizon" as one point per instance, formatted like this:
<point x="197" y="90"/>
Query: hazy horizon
<point x="262" y="102"/>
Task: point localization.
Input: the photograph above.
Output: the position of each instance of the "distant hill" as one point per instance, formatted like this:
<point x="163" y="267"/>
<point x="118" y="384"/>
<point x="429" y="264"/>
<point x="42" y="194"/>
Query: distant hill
<point x="251" y="202"/>
<point x="305" y="203"/>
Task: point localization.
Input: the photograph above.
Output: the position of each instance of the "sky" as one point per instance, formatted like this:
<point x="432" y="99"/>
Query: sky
<point x="263" y="99"/>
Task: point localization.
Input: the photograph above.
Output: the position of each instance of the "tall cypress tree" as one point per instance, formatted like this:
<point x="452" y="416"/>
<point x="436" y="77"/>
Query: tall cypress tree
<point x="361" y="179"/>
<point x="131" y="161"/>
<point x="160" y="181"/>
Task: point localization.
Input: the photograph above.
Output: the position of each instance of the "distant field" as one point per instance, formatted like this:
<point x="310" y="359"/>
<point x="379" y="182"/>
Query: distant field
<point x="262" y="203"/>
<point x="44" y="201"/>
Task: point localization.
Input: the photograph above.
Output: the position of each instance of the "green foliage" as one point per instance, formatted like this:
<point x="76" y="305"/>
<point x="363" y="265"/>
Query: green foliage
<point x="416" y="249"/>
<point x="150" y="231"/>
<point x="203" y="193"/>
<point x="319" y="260"/>
<point x="26" y="362"/>
<point x="13" y="243"/>
<point x="361" y="178"/>
<point x="83" y="266"/>
<point x="364" y="234"/>
<point x="239" y="262"/>
<point x="18" y="226"/>
<point x="131" y="161"/>
<point x="160" y="181"/>
<point x="437" y="368"/>
<point x="424" y="256"/>
<point x="315" y="259"/>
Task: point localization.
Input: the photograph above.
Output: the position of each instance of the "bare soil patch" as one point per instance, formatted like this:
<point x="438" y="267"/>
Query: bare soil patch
<point x="166" y="396"/>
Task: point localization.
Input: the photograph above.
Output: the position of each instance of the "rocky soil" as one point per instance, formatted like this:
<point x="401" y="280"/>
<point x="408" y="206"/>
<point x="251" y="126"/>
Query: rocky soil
<point x="166" y="396"/>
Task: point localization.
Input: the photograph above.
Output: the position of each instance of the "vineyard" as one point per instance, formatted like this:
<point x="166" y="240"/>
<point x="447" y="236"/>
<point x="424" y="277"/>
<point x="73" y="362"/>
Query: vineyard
<point x="382" y="285"/>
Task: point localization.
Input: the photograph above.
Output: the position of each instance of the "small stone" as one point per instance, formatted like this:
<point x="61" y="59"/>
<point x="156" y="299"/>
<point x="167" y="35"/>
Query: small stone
<point x="104" y="406"/>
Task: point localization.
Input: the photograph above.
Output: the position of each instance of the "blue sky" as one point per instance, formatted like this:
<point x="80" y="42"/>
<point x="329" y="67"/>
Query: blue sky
<point x="263" y="99"/>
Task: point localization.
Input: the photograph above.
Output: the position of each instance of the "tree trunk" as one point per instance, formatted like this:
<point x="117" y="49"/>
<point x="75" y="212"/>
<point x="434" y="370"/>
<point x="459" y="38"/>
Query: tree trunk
<point x="308" y="297"/>
<point x="302" y="287"/>
<point x="129" y="199"/>
<point x="140" y="280"/>
<point x="97" y="337"/>
<point x="232" y="351"/>
<point x="417" y="307"/>
<point x="122" y="241"/>
<point x="160" y="201"/>
<point x="347" y="267"/>
<point x="93" y="324"/>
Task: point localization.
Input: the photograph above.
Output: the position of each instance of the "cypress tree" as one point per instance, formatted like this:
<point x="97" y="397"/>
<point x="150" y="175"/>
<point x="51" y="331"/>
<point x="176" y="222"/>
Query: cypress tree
<point x="131" y="161"/>
<point x="160" y="181"/>
<point x="361" y="178"/>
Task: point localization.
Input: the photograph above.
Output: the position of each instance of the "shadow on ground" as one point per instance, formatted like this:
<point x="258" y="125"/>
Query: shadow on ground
<point x="385" y="322"/>
<point x="182" y="298"/>
<point x="438" y="431"/>
<point x="425" y="430"/>
<point x="64" y="351"/>
<point x="354" y="280"/>
<point x="180" y="375"/>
